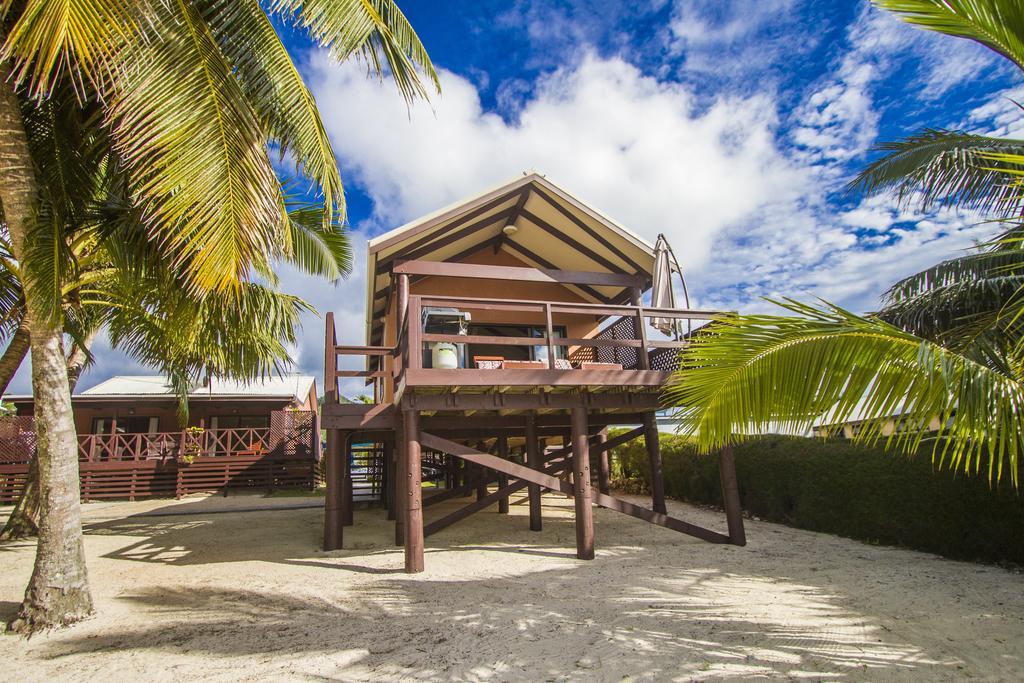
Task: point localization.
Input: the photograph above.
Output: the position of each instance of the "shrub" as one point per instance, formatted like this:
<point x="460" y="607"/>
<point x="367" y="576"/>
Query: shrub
<point x="841" y="488"/>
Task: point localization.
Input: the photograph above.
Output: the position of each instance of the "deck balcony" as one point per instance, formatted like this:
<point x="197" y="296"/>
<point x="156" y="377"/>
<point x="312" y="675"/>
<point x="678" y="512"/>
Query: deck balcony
<point x="614" y="354"/>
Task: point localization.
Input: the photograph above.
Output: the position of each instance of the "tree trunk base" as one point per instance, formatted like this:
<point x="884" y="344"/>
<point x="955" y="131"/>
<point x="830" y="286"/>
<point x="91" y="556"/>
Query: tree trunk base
<point x="19" y="525"/>
<point x="24" y="519"/>
<point x="51" y="608"/>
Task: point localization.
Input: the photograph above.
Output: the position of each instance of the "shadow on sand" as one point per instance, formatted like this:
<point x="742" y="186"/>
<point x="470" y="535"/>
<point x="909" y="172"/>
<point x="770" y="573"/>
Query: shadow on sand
<point x="635" y="611"/>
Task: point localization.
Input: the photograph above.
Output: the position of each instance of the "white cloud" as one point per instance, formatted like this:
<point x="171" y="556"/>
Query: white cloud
<point x="748" y="218"/>
<point x="740" y="46"/>
<point x="1001" y="116"/>
<point x="839" y="120"/>
<point x="636" y="148"/>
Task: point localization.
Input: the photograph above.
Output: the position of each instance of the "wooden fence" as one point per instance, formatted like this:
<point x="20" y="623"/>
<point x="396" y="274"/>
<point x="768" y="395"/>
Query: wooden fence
<point x="176" y="464"/>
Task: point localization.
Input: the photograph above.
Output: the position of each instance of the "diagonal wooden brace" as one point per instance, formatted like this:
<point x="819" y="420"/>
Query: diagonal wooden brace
<point x="549" y="481"/>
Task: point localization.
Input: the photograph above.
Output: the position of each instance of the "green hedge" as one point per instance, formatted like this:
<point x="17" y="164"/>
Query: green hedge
<point x="837" y="487"/>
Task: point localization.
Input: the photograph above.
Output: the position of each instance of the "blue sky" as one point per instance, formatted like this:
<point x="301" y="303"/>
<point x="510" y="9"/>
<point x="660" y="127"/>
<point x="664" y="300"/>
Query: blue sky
<point x="732" y="127"/>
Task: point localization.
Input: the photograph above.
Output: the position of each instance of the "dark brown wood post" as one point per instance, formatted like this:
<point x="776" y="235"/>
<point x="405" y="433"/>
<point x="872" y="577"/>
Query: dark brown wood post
<point x="414" y="493"/>
<point x="653" y="444"/>
<point x="400" y="484"/>
<point x="480" y="474"/>
<point x="346" y="480"/>
<point x="731" y="496"/>
<point x="389" y="477"/>
<point x="502" y="477"/>
<point x="534" y="461"/>
<point x="581" y="485"/>
<point x="603" y="468"/>
<point x="333" y="521"/>
<point x="549" y="333"/>
<point x="568" y="441"/>
<point x="643" y="361"/>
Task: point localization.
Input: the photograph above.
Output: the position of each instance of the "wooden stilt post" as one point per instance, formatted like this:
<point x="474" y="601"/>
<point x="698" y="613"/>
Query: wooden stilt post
<point x="401" y="494"/>
<point x="604" y="475"/>
<point x="731" y="496"/>
<point x="654" y="454"/>
<point x="534" y="460"/>
<point x="389" y="478"/>
<point x="480" y="475"/>
<point x="502" y="477"/>
<point x="346" y="479"/>
<point x="414" y="494"/>
<point x="568" y="440"/>
<point x="333" y="521"/>
<point x="581" y="485"/>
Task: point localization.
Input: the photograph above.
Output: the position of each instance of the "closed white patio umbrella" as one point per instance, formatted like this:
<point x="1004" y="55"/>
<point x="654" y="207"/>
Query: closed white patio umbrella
<point x="662" y="294"/>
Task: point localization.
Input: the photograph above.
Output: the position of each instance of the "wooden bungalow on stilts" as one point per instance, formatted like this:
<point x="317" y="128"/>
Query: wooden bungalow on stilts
<point x="504" y="335"/>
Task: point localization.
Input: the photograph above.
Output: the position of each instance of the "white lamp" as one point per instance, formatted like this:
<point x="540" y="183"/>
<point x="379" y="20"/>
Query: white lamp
<point x="510" y="229"/>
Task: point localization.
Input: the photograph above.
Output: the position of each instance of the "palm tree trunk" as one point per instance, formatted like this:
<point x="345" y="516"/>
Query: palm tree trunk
<point x="58" y="591"/>
<point x="14" y="356"/>
<point x="24" y="518"/>
<point x="79" y="358"/>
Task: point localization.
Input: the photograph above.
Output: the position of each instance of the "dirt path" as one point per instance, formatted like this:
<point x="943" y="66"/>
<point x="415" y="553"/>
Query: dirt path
<point x="246" y="596"/>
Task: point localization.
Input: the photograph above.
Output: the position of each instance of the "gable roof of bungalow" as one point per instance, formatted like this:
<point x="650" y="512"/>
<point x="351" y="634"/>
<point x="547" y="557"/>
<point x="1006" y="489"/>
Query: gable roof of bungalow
<point x="554" y="230"/>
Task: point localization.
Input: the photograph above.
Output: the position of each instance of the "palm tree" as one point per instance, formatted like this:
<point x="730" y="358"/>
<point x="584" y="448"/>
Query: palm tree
<point x="948" y="343"/>
<point x="120" y="286"/>
<point x="184" y="99"/>
<point x="952" y="168"/>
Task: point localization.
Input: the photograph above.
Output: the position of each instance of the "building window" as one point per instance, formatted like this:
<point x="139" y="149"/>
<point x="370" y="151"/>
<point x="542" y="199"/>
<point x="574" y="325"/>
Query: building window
<point x="133" y="424"/>
<point x="239" y="422"/>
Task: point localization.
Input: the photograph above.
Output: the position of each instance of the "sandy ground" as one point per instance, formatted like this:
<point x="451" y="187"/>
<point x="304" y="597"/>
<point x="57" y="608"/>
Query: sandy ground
<point x="247" y="596"/>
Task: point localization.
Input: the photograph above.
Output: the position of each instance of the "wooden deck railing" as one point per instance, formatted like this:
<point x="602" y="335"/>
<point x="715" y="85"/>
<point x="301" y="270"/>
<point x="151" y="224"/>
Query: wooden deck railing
<point x="188" y="443"/>
<point x="407" y="353"/>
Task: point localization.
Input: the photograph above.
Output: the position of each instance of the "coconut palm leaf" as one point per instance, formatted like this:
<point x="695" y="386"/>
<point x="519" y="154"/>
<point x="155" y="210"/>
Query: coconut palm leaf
<point x="194" y="149"/>
<point x="277" y="92"/>
<point x="375" y="30"/>
<point x="192" y="93"/>
<point x="76" y="39"/>
<point x="942" y="302"/>
<point x="946" y="168"/>
<point x="317" y="249"/>
<point x="996" y="24"/>
<point x="752" y="374"/>
<point x="244" y="333"/>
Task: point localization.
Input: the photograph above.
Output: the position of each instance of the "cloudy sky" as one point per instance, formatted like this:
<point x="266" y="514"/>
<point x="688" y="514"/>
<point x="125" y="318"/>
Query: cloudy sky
<point x="732" y="127"/>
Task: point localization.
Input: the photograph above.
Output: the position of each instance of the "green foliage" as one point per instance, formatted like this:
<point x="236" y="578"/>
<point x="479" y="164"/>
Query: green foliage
<point x="955" y="168"/>
<point x="937" y="168"/>
<point x="841" y="488"/>
<point x="185" y="100"/>
<point x="996" y="24"/>
<point x="754" y="374"/>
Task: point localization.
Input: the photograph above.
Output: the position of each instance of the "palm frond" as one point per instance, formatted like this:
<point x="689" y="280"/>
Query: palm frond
<point x="946" y="168"/>
<point x="320" y="250"/>
<point x="277" y="93"/>
<point x="939" y="303"/>
<point x="51" y="39"/>
<point x="12" y="298"/>
<point x="752" y="374"/>
<point x="996" y="24"/>
<point x="375" y="30"/>
<point x="194" y="149"/>
<point x="243" y="333"/>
